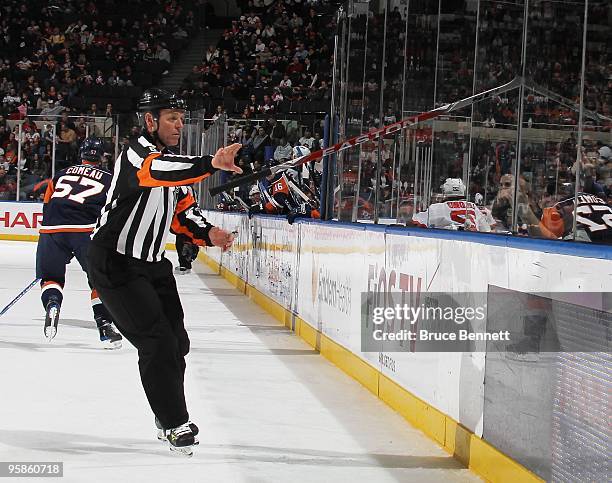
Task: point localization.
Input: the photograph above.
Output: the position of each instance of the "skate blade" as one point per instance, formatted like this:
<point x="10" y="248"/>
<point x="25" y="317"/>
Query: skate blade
<point x="51" y="323"/>
<point x="182" y="450"/>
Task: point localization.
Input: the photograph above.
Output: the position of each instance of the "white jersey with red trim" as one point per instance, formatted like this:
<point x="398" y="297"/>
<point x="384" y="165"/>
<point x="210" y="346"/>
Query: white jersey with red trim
<point x="451" y="214"/>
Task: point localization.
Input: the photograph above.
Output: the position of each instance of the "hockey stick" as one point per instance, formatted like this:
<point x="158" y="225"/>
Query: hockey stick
<point x="369" y="136"/>
<point x="236" y="199"/>
<point x="21" y="294"/>
<point x="245" y="207"/>
<point x="564" y="101"/>
<point x="299" y="192"/>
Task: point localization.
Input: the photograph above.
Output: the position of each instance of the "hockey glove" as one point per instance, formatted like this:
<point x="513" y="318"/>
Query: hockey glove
<point x="190" y="251"/>
<point x="302" y="211"/>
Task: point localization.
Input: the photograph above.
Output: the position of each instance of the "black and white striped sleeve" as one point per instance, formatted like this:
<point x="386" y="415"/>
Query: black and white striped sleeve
<point x="155" y="168"/>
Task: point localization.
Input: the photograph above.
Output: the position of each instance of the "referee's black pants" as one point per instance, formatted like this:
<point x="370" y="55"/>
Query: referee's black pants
<point x="143" y="300"/>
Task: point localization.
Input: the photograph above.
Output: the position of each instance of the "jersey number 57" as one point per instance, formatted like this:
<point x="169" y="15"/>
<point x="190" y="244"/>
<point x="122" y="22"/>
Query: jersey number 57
<point x="66" y="184"/>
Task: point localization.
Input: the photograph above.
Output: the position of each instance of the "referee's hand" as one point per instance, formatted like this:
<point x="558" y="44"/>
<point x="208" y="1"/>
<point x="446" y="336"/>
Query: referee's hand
<point x="221" y="238"/>
<point x="224" y="158"/>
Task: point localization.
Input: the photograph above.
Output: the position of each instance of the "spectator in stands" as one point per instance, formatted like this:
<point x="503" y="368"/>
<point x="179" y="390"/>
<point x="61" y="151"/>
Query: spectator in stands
<point x="501" y="208"/>
<point x="51" y="110"/>
<point x="66" y="145"/>
<point x="283" y="151"/>
<point x="285" y="83"/>
<point x="220" y="113"/>
<point x="260" y="141"/>
<point x="163" y="55"/>
<point x="115" y="79"/>
<point x="267" y="106"/>
<point x="307" y="139"/>
<point x="253" y="104"/>
<point x="93" y="111"/>
<point x="295" y="67"/>
<point x="277" y="131"/>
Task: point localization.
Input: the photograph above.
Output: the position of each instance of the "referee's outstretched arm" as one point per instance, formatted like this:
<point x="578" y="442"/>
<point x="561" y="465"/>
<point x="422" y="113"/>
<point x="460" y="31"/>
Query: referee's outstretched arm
<point x="155" y="168"/>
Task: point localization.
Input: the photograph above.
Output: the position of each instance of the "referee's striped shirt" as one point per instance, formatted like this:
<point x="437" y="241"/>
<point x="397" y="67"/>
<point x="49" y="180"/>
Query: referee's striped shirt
<point x="147" y="195"/>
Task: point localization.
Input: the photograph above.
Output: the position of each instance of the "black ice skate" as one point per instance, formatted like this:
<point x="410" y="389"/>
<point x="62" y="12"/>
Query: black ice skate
<point x="182" y="270"/>
<point x="51" y="319"/>
<point x="110" y="338"/>
<point x="161" y="433"/>
<point x="181" y="439"/>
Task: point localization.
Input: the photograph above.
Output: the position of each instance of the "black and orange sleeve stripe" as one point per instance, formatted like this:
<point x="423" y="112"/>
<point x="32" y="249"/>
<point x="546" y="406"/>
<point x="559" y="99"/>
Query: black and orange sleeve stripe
<point x="160" y="169"/>
<point x="188" y="220"/>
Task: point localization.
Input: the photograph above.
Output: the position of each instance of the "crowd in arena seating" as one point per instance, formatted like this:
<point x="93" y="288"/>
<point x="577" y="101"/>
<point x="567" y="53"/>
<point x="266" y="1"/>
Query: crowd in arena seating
<point x="68" y="62"/>
<point x="273" y="60"/>
<point x="69" y="54"/>
<point x="554" y="53"/>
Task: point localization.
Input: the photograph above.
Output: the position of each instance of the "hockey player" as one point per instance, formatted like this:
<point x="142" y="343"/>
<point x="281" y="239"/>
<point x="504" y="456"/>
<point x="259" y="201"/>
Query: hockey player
<point x="593" y="220"/>
<point x="258" y="196"/>
<point x="72" y="204"/>
<point x="187" y="252"/>
<point x="127" y="254"/>
<point x="287" y="196"/>
<point x="281" y="199"/>
<point x="454" y="213"/>
<point x="254" y="195"/>
<point x="186" y="249"/>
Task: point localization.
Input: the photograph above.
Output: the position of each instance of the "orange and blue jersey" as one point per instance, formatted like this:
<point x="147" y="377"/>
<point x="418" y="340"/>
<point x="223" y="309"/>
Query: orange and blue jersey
<point x="74" y="198"/>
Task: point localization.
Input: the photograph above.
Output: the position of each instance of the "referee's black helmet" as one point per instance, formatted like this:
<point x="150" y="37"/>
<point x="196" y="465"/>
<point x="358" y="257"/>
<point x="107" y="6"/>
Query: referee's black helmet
<point x="156" y="99"/>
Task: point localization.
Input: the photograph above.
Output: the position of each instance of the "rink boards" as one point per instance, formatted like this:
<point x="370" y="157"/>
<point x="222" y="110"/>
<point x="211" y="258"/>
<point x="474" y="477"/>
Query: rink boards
<point x="317" y="272"/>
<point x="311" y="275"/>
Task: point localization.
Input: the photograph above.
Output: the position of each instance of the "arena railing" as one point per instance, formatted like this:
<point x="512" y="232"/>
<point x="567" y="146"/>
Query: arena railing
<point x="33" y="155"/>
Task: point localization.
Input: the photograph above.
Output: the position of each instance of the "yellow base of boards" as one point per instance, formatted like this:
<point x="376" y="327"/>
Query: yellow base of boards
<point x="19" y="237"/>
<point x="472" y="451"/>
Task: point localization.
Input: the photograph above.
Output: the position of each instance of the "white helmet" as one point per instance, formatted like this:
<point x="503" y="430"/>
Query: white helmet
<point x="453" y="187"/>
<point x="478" y="199"/>
<point x="299" y="151"/>
<point x="254" y="190"/>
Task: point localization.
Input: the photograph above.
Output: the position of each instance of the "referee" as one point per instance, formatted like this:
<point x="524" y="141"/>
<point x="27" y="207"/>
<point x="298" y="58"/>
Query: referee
<point x="148" y="196"/>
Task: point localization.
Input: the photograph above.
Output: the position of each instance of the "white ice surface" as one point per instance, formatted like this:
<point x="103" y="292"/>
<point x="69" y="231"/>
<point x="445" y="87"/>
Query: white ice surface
<point x="269" y="408"/>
